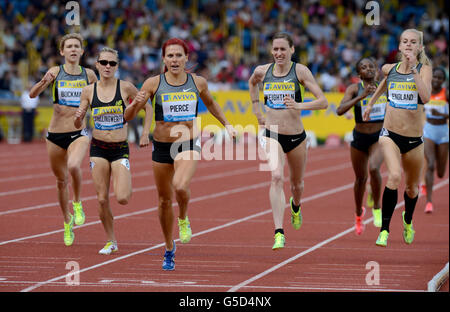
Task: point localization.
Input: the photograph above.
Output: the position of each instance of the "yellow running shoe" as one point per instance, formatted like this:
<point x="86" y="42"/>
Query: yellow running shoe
<point x="78" y="212"/>
<point x="376" y="217"/>
<point x="408" y="231"/>
<point x="296" y="217"/>
<point x="382" y="238"/>
<point x="69" y="236"/>
<point x="279" y="241"/>
<point x="185" y="231"/>
<point x="109" y="248"/>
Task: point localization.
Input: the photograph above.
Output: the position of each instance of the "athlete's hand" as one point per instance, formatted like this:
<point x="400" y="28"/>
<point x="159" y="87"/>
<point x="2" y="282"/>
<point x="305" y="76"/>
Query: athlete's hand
<point x="366" y="115"/>
<point x="411" y="59"/>
<point x="290" y="103"/>
<point x="48" y="77"/>
<point x="369" y="89"/>
<point x="144" y="140"/>
<point x="232" y="133"/>
<point x="141" y="97"/>
<point x="78" y="118"/>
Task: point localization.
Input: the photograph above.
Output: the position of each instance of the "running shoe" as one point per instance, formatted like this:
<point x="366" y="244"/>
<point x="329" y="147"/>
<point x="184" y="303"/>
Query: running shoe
<point x="109" y="248"/>
<point x="169" y="259"/>
<point x="376" y="217"/>
<point x="69" y="236"/>
<point x="382" y="238"/>
<point x="296" y="217"/>
<point x="429" y="208"/>
<point x="408" y="231"/>
<point x="359" y="225"/>
<point x="185" y="231"/>
<point x="279" y="241"/>
<point x="369" y="201"/>
<point x="78" y="212"/>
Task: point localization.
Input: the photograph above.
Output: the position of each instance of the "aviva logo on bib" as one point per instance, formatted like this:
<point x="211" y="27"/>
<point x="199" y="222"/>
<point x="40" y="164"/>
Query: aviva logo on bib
<point x="279" y="86"/>
<point x="179" y="96"/>
<point x="72" y="84"/>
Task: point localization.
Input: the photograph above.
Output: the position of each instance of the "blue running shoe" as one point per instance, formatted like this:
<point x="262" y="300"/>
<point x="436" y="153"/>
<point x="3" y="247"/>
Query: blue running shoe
<point x="169" y="259"/>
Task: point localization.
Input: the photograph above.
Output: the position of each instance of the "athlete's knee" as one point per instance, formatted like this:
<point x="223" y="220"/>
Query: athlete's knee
<point x="181" y="187"/>
<point x="123" y="198"/>
<point x="164" y="202"/>
<point x="102" y="201"/>
<point x="73" y="167"/>
<point x="297" y="186"/>
<point x="62" y="183"/>
<point x="431" y="165"/>
<point x="395" y="178"/>
<point x="412" y="190"/>
<point x="277" y="178"/>
<point x="361" y="180"/>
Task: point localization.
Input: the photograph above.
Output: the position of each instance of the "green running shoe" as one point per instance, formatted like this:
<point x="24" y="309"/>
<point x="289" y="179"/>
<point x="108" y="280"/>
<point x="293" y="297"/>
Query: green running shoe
<point x="376" y="217"/>
<point x="69" y="236"/>
<point x="296" y="217"/>
<point x="78" y="213"/>
<point x="279" y="241"/>
<point x="185" y="231"/>
<point x="408" y="231"/>
<point x="382" y="238"/>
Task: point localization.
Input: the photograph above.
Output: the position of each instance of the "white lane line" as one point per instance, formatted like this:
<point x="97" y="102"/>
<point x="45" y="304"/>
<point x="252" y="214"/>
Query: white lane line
<point x="306" y="199"/>
<point x="193" y="200"/>
<point x="313" y="248"/>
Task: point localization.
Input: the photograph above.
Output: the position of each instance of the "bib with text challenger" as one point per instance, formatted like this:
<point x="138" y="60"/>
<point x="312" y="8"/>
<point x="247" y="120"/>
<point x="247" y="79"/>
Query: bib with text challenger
<point x="108" y="116"/>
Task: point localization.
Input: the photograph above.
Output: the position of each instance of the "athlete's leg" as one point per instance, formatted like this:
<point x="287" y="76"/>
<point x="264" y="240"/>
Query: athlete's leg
<point x="296" y="160"/>
<point x="375" y="160"/>
<point x="101" y="174"/>
<point x="359" y="163"/>
<point x="75" y="156"/>
<point x="430" y="156"/>
<point x="163" y="174"/>
<point x="58" y="163"/>
<point x="121" y="176"/>
<point x="185" y="164"/>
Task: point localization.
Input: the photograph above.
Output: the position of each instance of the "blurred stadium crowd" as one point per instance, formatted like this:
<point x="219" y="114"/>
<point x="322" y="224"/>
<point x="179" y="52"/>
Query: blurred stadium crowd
<point x="227" y="38"/>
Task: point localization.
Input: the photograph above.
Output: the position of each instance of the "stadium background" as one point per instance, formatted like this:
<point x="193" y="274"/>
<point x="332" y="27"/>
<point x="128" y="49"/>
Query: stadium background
<point x="227" y="39"/>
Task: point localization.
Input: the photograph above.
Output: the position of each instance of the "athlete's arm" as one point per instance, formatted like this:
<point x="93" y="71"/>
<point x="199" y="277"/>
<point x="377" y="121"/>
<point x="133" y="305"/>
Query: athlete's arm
<point x="91" y="76"/>
<point x="80" y="113"/>
<point x="256" y="78"/>
<point x="144" y="140"/>
<point x="48" y="78"/>
<point x="423" y="82"/>
<point x="382" y="87"/>
<point x="146" y="92"/>
<point x="351" y="99"/>
<point x="212" y="105"/>
<point x="307" y="79"/>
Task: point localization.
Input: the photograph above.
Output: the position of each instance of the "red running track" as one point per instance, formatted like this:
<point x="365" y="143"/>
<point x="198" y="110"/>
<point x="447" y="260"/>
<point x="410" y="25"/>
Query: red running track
<point x="232" y="233"/>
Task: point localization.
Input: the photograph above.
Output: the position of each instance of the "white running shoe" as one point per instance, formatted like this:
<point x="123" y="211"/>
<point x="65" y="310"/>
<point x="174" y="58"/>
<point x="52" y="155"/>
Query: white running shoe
<point x="109" y="248"/>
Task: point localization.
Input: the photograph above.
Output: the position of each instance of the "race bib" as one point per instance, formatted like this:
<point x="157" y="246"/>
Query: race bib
<point x="274" y="93"/>
<point x="108" y="117"/>
<point x="378" y="109"/>
<point x="69" y="92"/>
<point x="403" y="95"/>
<point x="179" y="106"/>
